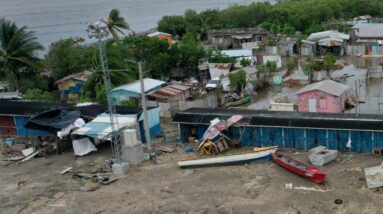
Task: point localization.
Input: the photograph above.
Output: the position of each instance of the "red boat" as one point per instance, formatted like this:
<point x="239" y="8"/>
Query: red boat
<point x="312" y="173"/>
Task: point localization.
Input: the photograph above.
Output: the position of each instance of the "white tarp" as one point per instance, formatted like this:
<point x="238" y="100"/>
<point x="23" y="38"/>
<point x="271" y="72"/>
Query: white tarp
<point x="83" y="146"/>
<point x="65" y="131"/>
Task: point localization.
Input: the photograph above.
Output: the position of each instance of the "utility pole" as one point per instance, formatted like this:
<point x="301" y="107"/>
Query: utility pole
<point x="145" y="111"/>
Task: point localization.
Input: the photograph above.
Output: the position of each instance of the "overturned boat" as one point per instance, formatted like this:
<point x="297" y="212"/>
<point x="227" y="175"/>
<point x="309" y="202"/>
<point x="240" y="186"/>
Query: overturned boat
<point x="228" y="160"/>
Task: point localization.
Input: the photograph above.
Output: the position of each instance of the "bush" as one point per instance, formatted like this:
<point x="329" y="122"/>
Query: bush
<point x="38" y="95"/>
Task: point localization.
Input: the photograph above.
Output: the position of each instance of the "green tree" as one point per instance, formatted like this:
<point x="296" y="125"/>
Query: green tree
<point x="175" y="25"/>
<point x="244" y="62"/>
<point x="238" y="80"/>
<point x="215" y="56"/>
<point x="18" y="51"/>
<point x="116" y="24"/>
<point x="291" y="65"/>
<point x="309" y="68"/>
<point x="38" y="95"/>
<point x="329" y="61"/>
<point x="66" y="57"/>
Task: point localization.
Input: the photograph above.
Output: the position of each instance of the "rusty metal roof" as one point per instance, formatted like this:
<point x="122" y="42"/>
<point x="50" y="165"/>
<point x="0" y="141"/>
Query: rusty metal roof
<point x="169" y="91"/>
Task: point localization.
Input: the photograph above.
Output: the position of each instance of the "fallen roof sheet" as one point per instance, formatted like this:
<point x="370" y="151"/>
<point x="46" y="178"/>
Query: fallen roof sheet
<point x="52" y="120"/>
<point x="135" y="87"/>
<point x="100" y="127"/>
<point x="327" y="86"/>
<point x="263" y="118"/>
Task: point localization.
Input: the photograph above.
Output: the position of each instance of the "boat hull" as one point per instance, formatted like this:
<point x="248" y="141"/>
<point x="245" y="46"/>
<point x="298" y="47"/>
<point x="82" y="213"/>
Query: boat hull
<point x="228" y="160"/>
<point x="309" y="172"/>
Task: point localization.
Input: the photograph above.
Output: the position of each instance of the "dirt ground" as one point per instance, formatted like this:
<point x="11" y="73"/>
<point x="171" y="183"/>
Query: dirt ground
<point x="38" y="187"/>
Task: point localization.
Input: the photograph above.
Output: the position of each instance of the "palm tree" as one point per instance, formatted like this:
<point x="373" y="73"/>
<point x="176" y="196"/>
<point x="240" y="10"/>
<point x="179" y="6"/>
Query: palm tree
<point x="116" y="23"/>
<point x="18" y="51"/>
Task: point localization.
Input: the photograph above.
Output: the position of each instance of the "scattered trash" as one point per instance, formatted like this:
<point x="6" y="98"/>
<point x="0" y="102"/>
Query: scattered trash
<point x="338" y="201"/>
<point x="166" y="189"/>
<point x="89" y="187"/>
<point x="59" y="195"/>
<point x="83" y="146"/>
<point x="9" y="142"/>
<point x="27" y="152"/>
<point x="66" y="170"/>
<point x="320" y="155"/>
<point x="166" y="149"/>
<point x="14" y="158"/>
<point x="377" y="151"/>
<point x="310" y="189"/>
<point x="188" y="171"/>
<point x="289" y="186"/>
<point x="189" y="149"/>
<point x="30" y="156"/>
<point x="21" y="183"/>
<point x="146" y="156"/>
<point x="107" y="180"/>
<point x="374" y="176"/>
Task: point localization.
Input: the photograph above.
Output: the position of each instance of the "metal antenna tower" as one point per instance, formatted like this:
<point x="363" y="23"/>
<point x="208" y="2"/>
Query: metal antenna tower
<point x="99" y="30"/>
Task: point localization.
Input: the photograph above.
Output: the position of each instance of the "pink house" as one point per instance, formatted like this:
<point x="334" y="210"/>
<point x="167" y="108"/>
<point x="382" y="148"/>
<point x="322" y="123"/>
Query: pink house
<point x="325" y="96"/>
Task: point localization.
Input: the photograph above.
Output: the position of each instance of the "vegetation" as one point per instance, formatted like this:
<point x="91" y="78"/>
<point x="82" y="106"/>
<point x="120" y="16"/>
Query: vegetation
<point x="285" y="17"/>
<point x="238" y="80"/>
<point x="116" y="24"/>
<point x="38" y="95"/>
<point x="66" y="57"/>
<point x="329" y="61"/>
<point x="245" y="62"/>
<point x="18" y="52"/>
<point x="309" y="67"/>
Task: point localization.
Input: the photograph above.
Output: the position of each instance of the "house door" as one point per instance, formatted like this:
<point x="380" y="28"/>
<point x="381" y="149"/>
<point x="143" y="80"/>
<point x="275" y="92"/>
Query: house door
<point x="312" y="105"/>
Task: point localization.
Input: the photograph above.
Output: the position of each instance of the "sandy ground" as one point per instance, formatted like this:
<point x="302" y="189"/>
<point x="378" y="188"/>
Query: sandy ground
<point x="164" y="188"/>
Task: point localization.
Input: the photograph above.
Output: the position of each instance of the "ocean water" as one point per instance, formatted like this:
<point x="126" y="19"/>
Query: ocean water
<point x="56" y="19"/>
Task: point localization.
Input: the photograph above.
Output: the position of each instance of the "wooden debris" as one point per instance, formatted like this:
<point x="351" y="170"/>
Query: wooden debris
<point x="66" y="170"/>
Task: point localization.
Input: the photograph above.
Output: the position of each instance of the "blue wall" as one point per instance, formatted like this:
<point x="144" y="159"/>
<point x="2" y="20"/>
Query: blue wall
<point x="362" y="141"/>
<point x="24" y="132"/>
<point x="153" y="123"/>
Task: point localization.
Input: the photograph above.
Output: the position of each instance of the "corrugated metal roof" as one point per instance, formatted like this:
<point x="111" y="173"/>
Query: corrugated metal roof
<point x="155" y="34"/>
<point x="135" y="87"/>
<point x="169" y="91"/>
<point x="100" y="127"/>
<point x="369" y="30"/>
<point x="339" y="121"/>
<point x="10" y="95"/>
<point x="82" y="76"/>
<point x="325" y="34"/>
<point x="327" y="86"/>
<point x="238" y="53"/>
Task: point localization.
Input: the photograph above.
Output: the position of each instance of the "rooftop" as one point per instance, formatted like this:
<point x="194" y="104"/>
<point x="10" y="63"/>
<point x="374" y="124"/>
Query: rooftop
<point x="169" y="91"/>
<point x="237" y="31"/>
<point x="369" y="30"/>
<point x="238" y="53"/>
<point x="135" y="87"/>
<point x="259" y="118"/>
<point x="82" y="76"/>
<point x="328" y="34"/>
<point x="156" y="34"/>
<point x="327" y="86"/>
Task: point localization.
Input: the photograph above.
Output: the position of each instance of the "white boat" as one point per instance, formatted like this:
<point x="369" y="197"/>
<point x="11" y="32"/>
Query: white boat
<point x="228" y="160"/>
